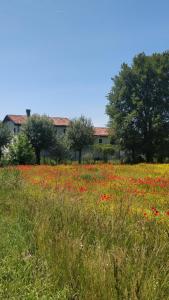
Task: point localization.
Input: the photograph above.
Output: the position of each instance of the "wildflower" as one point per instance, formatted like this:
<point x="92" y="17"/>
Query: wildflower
<point x="82" y="189"/>
<point x="105" y="197"/>
<point x="156" y="213"/>
<point x="167" y="213"/>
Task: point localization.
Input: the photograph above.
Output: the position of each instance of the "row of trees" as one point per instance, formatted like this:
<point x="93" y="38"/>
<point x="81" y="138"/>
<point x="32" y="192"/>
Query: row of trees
<point x="38" y="135"/>
<point x="138" y="108"/>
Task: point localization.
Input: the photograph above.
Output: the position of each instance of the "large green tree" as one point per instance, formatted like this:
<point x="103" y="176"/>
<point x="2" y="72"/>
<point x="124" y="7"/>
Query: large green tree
<point x="80" y="134"/>
<point x="138" y="107"/>
<point x="5" y="137"/>
<point x="41" y="133"/>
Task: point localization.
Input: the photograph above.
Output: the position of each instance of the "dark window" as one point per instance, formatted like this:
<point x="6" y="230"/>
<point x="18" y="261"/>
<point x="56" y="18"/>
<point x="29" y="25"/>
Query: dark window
<point x="100" y="141"/>
<point x="64" y="130"/>
<point x="14" y="130"/>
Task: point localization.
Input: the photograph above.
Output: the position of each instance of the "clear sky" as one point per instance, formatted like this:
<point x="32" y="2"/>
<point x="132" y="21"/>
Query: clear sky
<point x="58" y="57"/>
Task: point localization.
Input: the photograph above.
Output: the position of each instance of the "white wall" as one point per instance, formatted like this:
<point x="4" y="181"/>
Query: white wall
<point x="105" y="140"/>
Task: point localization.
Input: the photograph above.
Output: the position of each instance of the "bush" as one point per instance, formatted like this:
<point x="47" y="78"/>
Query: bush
<point x="88" y="158"/>
<point x="59" y="152"/>
<point x="20" y="151"/>
<point x="105" y="150"/>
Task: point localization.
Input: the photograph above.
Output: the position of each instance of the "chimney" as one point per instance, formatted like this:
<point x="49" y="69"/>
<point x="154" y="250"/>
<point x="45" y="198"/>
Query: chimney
<point x="28" y="112"/>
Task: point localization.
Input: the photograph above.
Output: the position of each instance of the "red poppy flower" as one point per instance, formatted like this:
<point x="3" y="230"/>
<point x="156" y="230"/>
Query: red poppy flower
<point x="156" y="213"/>
<point x="105" y="197"/>
<point x="82" y="189"/>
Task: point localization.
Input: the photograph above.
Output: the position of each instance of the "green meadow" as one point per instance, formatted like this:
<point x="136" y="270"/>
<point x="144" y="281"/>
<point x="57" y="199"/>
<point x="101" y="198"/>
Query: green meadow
<point x="67" y="245"/>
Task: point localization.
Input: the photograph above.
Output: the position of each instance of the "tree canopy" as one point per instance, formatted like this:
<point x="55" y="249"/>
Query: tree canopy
<point x="60" y="149"/>
<point x="41" y="133"/>
<point x="5" y="136"/>
<point x="138" y="107"/>
<point x="80" y="134"/>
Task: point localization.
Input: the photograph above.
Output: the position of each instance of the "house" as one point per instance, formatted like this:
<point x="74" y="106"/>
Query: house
<point x="14" y="122"/>
<point x="101" y="135"/>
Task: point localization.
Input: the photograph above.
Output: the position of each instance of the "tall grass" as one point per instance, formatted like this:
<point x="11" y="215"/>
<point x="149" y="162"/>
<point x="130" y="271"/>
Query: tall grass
<point x="57" y="247"/>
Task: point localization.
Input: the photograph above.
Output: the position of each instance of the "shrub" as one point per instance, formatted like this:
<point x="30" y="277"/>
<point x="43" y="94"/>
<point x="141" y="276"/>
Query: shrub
<point x="105" y="150"/>
<point x="21" y="151"/>
<point x="88" y="158"/>
<point x="59" y="151"/>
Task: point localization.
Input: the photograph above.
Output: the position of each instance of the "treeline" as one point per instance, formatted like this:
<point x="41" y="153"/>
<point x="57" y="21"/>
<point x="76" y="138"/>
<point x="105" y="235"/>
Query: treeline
<point x="39" y="139"/>
<point x="138" y="108"/>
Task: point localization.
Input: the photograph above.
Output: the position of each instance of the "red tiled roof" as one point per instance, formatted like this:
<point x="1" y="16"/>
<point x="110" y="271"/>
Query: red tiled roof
<point x="19" y="120"/>
<point x="60" y="121"/>
<point x="101" y="131"/>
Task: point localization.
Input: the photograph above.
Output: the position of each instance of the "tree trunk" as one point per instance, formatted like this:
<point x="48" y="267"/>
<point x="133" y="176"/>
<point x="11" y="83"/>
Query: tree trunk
<point x="80" y="156"/>
<point x="133" y="155"/>
<point x="105" y="157"/>
<point x="37" y="153"/>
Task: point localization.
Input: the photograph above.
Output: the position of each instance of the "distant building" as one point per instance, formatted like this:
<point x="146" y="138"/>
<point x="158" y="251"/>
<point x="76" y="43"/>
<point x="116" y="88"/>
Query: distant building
<point x="15" y="122"/>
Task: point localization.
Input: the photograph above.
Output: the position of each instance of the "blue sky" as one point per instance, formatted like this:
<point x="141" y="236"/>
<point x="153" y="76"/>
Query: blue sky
<point x="58" y="57"/>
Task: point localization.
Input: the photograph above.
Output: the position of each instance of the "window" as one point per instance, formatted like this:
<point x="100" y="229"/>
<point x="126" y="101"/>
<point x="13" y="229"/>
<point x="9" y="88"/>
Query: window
<point x="64" y="130"/>
<point x="14" y="130"/>
<point x="100" y="141"/>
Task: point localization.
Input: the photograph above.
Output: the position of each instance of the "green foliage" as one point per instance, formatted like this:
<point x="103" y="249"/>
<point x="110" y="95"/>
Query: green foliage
<point x="88" y="158"/>
<point x="104" y="149"/>
<point x="5" y="137"/>
<point x="20" y="151"/>
<point x="41" y="133"/>
<point x="92" y="177"/>
<point x="60" y="149"/>
<point x="139" y="107"/>
<point x="80" y="134"/>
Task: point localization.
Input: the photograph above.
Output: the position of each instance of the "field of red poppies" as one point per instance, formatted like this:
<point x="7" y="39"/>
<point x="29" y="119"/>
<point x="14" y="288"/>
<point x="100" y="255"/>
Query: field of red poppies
<point x="147" y="186"/>
<point x="84" y="232"/>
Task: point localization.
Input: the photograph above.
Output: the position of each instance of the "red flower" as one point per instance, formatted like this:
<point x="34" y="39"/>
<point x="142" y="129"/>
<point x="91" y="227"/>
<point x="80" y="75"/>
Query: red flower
<point x="167" y="213"/>
<point x="156" y="213"/>
<point x="105" y="197"/>
<point x="82" y="189"/>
